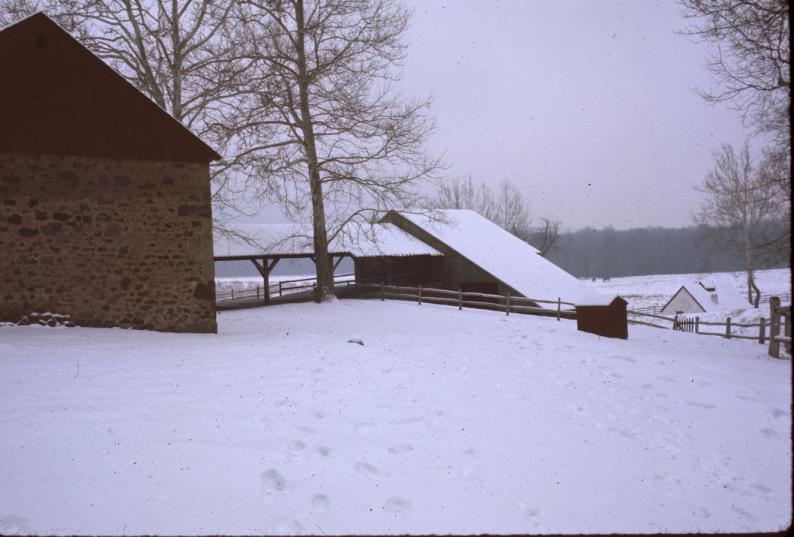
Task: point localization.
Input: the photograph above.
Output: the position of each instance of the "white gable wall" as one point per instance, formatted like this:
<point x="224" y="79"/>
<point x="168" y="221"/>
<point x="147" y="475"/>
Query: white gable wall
<point x="683" y="302"/>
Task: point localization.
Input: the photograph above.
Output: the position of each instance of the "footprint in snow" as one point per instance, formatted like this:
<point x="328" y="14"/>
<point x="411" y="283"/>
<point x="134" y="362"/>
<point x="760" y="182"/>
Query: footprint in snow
<point x="366" y="469"/>
<point x="272" y="481"/>
<point x="769" y="432"/>
<point x="400" y="449"/>
<point x="12" y="524"/>
<point x="397" y="507"/>
<point x="364" y="428"/>
<point x="323" y="451"/>
<point x="778" y="413"/>
<point x="286" y="526"/>
<point x="700" y="405"/>
<point x="320" y="503"/>
<point x="296" y="447"/>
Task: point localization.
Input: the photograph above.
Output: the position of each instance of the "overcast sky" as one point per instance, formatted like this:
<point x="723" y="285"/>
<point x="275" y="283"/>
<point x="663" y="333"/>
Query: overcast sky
<point x="590" y="107"/>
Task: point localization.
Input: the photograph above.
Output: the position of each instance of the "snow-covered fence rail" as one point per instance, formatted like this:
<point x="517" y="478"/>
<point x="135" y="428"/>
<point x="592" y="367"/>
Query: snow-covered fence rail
<point x="693" y="325"/>
<point x="470" y="299"/>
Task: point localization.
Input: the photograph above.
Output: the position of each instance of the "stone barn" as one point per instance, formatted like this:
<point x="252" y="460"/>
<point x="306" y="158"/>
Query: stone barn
<point x="105" y="211"/>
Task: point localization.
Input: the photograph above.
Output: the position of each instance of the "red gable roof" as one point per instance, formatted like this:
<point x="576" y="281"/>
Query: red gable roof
<point x="56" y="97"/>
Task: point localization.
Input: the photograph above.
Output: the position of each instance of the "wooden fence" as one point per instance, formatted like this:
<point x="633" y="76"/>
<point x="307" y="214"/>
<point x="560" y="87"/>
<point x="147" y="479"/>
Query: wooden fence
<point x="778" y="316"/>
<point x="466" y="299"/>
<point x="280" y="288"/>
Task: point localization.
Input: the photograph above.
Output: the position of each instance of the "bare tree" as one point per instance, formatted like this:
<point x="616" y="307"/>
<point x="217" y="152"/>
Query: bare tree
<point x="505" y="206"/>
<point x="458" y="193"/>
<point x="544" y="236"/>
<point x="181" y="54"/>
<point x="510" y="210"/>
<point x="739" y="199"/>
<point x="330" y="139"/>
<point x="751" y="58"/>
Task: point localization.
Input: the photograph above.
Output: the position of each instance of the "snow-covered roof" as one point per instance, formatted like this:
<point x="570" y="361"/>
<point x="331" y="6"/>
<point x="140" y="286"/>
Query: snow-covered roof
<point x="289" y="239"/>
<point x="597" y="299"/>
<point x="502" y="254"/>
<point x="725" y="297"/>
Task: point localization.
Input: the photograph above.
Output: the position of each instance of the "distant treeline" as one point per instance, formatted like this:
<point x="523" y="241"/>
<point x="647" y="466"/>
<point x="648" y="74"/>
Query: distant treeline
<point x="612" y="253"/>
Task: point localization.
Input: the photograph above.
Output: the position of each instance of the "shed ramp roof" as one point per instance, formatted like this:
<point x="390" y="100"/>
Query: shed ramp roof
<point x="503" y="255"/>
<point x="290" y="239"/>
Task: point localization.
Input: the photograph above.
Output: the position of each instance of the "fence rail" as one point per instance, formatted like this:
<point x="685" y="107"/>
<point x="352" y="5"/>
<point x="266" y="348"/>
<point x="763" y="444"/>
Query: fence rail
<point x="778" y="315"/>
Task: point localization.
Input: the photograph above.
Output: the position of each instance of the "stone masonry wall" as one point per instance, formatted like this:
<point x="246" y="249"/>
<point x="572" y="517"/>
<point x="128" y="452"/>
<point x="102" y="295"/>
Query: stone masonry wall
<point x="109" y="242"/>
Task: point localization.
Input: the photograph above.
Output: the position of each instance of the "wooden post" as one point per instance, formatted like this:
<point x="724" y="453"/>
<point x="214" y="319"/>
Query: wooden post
<point x="774" y="327"/>
<point x="728" y="327"/>
<point x="280" y="290"/>
<point x="507" y="303"/>
<point x="382" y="292"/>
<point x="460" y="298"/>
<point x="420" y="294"/>
<point x="558" y="308"/>
<point x="257" y="292"/>
<point x="787" y="329"/>
<point x="266" y="277"/>
<point x="697" y="324"/>
<point x="232" y="293"/>
<point x="762" y="331"/>
<point x="675" y="322"/>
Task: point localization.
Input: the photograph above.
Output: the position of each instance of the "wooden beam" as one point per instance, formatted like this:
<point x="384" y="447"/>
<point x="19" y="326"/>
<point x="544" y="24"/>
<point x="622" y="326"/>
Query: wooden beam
<point x="259" y="267"/>
<point x="338" y="260"/>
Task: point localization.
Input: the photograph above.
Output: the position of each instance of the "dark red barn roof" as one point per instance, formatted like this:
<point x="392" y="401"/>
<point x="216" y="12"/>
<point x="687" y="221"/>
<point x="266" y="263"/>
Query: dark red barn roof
<point x="57" y="97"/>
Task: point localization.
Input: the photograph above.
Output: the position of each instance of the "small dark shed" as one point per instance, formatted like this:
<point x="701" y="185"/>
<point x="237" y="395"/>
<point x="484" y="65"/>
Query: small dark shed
<point x="604" y="317"/>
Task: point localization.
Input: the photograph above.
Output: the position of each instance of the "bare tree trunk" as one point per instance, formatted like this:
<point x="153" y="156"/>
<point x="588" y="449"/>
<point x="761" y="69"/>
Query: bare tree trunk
<point x="325" y="284"/>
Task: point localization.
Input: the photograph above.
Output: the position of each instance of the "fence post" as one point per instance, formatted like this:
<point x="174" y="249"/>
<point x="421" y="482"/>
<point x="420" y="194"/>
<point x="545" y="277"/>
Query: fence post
<point x="257" y="292"/>
<point x="232" y="293"/>
<point x="420" y="294"/>
<point x="279" y="288"/>
<point x="382" y="292"/>
<point x="507" y="303"/>
<point x="460" y="298"/>
<point x="558" y="308"/>
<point x="675" y="322"/>
<point x="787" y="329"/>
<point x="762" y="331"/>
<point x="774" y="327"/>
<point x="728" y="327"/>
<point x="697" y="324"/>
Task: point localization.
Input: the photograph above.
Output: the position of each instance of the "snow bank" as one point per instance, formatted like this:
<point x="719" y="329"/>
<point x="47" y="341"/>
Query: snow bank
<point x="484" y="424"/>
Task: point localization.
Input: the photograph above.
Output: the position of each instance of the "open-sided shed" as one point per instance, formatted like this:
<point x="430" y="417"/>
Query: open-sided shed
<point x="105" y="211"/>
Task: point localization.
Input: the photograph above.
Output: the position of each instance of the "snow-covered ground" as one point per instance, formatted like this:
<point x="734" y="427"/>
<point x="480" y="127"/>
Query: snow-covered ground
<point x="655" y="289"/>
<point x="442" y="421"/>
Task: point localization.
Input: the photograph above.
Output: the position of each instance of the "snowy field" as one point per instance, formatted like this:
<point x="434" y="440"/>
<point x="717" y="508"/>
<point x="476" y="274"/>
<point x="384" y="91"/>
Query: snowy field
<point x="656" y="289"/>
<point x="442" y="421"/>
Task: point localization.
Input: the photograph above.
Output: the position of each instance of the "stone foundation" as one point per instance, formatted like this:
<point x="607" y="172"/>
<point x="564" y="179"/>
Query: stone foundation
<point x="108" y="242"/>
